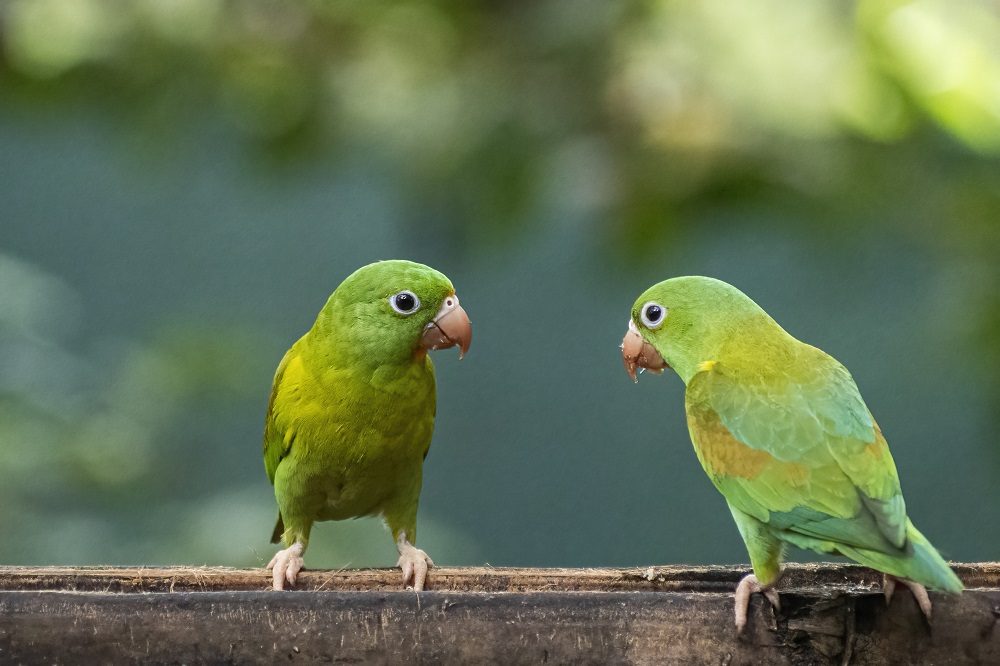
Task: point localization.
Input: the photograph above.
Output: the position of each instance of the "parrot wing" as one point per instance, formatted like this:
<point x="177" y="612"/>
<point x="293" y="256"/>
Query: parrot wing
<point x="276" y="445"/>
<point x="803" y="456"/>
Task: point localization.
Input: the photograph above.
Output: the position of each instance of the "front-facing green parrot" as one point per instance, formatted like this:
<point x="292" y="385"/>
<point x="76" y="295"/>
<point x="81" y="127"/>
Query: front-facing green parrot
<point x="781" y="430"/>
<point x="352" y="408"/>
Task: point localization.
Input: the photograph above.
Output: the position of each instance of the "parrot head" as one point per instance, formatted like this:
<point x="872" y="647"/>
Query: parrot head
<point x="684" y="321"/>
<point x="396" y="309"/>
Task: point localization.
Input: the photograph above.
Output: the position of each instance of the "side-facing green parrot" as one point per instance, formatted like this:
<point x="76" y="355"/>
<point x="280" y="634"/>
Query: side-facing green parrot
<point x="781" y="430"/>
<point x="352" y="408"/>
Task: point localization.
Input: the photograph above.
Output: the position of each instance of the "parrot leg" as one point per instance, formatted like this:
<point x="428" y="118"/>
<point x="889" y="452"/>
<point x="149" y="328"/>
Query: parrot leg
<point x="746" y="587"/>
<point x="285" y="565"/>
<point x="918" y="590"/>
<point x="414" y="563"/>
<point x="765" y="551"/>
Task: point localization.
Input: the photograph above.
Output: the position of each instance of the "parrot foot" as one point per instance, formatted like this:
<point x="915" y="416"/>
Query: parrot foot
<point x="918" y="590"/>
<point x="746" y="587"/>
<point x="285" y="565"/>
<point x="414" y="563"/>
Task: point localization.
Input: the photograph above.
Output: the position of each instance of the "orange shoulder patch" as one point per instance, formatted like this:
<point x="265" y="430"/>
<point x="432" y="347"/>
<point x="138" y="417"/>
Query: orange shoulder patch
<point x="721" y="453"/>
<point x="879" y="447"/>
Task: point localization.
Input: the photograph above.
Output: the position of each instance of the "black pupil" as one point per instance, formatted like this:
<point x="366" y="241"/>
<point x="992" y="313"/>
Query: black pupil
<point x="405" y="302"/>
<point x="653" y="313"/>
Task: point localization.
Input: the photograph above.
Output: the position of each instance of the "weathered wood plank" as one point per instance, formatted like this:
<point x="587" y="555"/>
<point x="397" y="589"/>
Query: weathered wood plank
<point x="830" y="614"/>
<point x="684" y="578"/>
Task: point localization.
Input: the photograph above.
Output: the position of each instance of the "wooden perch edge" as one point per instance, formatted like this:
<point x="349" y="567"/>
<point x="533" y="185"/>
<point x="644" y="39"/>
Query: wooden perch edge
<point x="830" y="614"/>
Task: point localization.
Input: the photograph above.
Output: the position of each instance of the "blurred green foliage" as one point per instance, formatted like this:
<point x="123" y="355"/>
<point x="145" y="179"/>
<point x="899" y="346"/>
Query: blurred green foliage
<point x="611" y="143"/>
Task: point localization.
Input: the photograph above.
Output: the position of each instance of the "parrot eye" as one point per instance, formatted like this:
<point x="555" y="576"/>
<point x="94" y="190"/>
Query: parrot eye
<point x="653" y="315"/>
<point x="405" y="302"/>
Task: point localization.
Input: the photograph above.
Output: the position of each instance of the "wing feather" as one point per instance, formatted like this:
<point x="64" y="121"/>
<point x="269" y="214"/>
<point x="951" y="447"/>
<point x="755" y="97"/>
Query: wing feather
<point x="277" y="441"/>
<point x="804" y="456"/>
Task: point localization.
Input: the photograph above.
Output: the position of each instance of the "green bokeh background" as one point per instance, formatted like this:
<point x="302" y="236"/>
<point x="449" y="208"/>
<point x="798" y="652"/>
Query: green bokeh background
<point x="183" y="182"/>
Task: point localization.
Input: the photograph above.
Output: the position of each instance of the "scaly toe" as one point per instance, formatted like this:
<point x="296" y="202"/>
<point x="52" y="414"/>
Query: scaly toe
<point x="920" y="594"/>
<point x="742" y="600"/>
<point x="293" y="569"/>
<point x="772" y="596"/>
<point x="278" y="577"/>
<point x="407" y="567"/>
<point x="888" y="587"/>
<point x="419" y="575"/>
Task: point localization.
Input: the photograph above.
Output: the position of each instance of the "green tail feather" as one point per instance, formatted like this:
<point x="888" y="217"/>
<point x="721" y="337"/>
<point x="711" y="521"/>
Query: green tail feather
<point x="279" y="530"/>
<point x="918" y="561"/>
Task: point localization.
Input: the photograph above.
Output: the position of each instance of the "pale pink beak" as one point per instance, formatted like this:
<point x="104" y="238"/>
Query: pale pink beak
<point x="637" y="353"/>
<point x="450" y="327"/>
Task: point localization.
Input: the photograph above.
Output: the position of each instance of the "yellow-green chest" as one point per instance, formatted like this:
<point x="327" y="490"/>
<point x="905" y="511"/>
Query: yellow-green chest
<point x="355" y="437"/>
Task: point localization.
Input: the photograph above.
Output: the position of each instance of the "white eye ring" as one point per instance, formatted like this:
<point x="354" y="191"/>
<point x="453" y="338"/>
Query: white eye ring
<point x="653" y="315"/>
<point x="399" y="307"/>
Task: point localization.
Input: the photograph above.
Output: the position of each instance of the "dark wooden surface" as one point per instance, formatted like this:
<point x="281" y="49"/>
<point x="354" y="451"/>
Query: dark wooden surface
<point x="831" y="614"/>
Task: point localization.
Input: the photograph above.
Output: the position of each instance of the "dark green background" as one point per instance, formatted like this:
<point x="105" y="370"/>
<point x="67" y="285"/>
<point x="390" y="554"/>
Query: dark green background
<point x="183" y="183"/>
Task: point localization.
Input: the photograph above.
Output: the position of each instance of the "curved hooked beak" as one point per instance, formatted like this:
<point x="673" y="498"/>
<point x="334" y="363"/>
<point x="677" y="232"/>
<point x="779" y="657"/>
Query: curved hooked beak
<point x="637" y="353"/>
<point x="450" y="327"/>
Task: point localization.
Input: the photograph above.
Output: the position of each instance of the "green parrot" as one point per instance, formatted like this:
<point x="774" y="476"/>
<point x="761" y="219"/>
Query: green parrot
<point x="783" y="433"/>
<point x="352" y="407"/>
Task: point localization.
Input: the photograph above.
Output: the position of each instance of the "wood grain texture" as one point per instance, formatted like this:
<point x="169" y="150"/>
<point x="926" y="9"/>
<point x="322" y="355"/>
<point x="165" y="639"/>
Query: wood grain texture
<point x="830" y="614"/>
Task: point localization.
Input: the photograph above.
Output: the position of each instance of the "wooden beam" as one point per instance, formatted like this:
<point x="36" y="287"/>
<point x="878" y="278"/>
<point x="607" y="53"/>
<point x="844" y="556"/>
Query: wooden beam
<point x="830" y="614"/>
